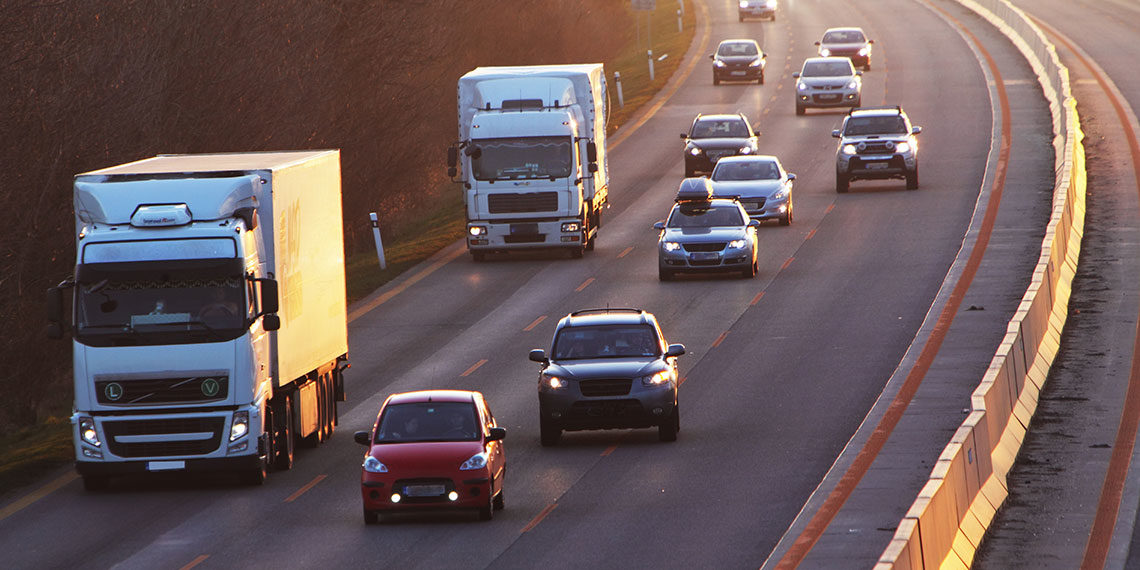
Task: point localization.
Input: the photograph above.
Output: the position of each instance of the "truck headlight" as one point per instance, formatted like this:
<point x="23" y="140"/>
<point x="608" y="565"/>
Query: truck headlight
<point x="657" y="379"/>
<point x="477" y="230"/>
<point x="373" y="465"/>
<point x="240" y="426"/>
<point x="477" y="461"/>
<point x="87" y="431"/>
<point x="671" y="246"/>
<point x="849" y="149"/>
<point x="571" y="226"/>
<point x="903" y="147"/>
<point x="736" y="244"/>
<point x="743" y="3"/>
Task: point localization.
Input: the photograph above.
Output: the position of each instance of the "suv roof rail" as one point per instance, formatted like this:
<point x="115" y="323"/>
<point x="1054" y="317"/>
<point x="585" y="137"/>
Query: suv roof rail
<point x="606" y="310"/>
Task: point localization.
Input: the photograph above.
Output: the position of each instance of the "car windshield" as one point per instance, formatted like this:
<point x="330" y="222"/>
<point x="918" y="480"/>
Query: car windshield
<point x="845" y="37"/>
<point x="745" y="170"/>
<point x="889" y="125"/>
<point x="720" y="129"/>
<point x="428" y="421"/>
<point x="606" y="341"/>
<point x="828" y="69"/>
<point x="704" y="215"/>
<point x="520" y="158"/>
<point x="737" y="49"/>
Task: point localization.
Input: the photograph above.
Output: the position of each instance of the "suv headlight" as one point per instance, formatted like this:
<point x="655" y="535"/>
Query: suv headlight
<point x="864" y="50"/>
<point x="902" y="147"/>
<point x="756" y="63"/>
<point x="802" y="86"/>
<point x="695" y="151"/>
<point x="373" y="465"/>
<point x="737" y="244"/>
<point x="849" y="149"/>
<point x="743" y="3"/>
<point x="671" y="246"/>
<point x="718" y="63"/>
<point x="554" y="382"/>
<point x="658" y="379"/>
<point x="477" y="461"/>
<point x="824" y="52"/>
<point x="745" y="150"/>
<point x="240" y="425"/>
<point x="88" y="433"/>
<point x="853" y="85"/>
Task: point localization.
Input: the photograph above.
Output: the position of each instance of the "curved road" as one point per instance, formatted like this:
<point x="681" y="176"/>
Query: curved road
<point x="780" y="374"/>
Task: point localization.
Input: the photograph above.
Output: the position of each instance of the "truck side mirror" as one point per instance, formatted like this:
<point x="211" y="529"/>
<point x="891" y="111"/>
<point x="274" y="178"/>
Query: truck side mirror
<point x="591" y="153"/>
<point x="452" y="156"/>
<point x="271" y="322"/>
<point x="269" y="302"/>
<point x="55" y="313"/>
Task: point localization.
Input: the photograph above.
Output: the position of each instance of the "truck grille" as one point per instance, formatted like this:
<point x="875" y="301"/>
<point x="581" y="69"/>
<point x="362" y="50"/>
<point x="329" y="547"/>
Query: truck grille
<point x="117" y="428"/>
<point x="516" y="203"/>
<point x="605" y="387"/>
<point x="183" y="390"/>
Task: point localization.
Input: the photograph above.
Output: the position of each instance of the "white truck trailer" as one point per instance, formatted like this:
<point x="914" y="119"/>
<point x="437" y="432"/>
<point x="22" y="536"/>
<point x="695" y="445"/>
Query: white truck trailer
<point x="532" y="156"/>
<point x="208" y="312"/>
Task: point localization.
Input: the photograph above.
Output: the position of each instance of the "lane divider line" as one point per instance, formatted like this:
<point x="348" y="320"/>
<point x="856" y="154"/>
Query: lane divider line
<point x="534" y="522"/>
<point x="757" y="298"/>
<point x="200" y="559"/>
<point x="609" y="450"/>
<point x="810" y="235"/>
<point x="625" y="252"/>
<point x="307" y="486"/>
<point x="786" y="263"/>
<point x="473" y="368"/>
<point x="584" y="284"/>
<point x="531" y="326"/>
<point x="37" y="494"/>
<point x="719" y="339"/>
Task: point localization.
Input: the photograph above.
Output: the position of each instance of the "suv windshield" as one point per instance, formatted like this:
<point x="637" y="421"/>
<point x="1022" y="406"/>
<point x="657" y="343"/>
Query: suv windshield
<point x="828" y="69"/>
<point x="606" y="341"/>
<point x="889" y="125"/>
<point x="750" y="170"/>
<point x="704" y="215"/>
<point x="520" y="158"/>
<point x="737" y="49"/>
<point x="428" y="421"/>
<point x="714" y="129"/>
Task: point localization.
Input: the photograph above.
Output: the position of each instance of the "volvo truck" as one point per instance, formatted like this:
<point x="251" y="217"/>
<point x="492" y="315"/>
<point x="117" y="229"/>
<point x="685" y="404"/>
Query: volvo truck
<point x="531" y="157"/>
<point x="206" y="313"/>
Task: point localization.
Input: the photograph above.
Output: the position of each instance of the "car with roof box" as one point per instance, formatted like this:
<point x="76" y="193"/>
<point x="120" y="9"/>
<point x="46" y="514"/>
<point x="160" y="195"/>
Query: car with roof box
<point x="608" y="368"/>
<point x="706" y="234"/>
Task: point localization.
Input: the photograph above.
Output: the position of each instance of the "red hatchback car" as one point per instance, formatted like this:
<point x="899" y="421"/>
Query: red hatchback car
<point x="433" y="449"/>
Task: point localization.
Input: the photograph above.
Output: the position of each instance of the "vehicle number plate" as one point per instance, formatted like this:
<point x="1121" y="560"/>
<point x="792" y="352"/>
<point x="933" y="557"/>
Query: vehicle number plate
<point x="524" y="229"/>
<point x="165" y="465"/>
<point x="705" y="256"/>
<point x="736" y="73"/>
<point x="423" y="490"/>
<point x="829" y="97"/>
<point x="876" y="165"/>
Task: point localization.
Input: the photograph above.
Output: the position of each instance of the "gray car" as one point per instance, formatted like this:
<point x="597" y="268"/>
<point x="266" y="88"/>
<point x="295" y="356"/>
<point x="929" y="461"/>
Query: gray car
<point x="759" y="183"/>
<point x="608" y="369"/>
<point x="706" y="234"/>
<point x="828" y="82"/>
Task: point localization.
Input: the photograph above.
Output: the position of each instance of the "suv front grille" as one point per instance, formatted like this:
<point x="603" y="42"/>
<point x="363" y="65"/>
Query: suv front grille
<point x="713" y="246"/>
<point x="117" y="428"/>
<point x="519" y="203"/>
<point x="605" y="387"/>
<point x="877" y="148"/>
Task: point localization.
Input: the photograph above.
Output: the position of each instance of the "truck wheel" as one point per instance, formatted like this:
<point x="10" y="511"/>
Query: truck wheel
<point x="667" y="431"/>
<point x="912" y="179"/>
<point x="284" y="431"/>
<point x="549" y="434"/>
<point x="842" y="183"/>
<point x="96" y="483"/>
<point x="256" y="477"/>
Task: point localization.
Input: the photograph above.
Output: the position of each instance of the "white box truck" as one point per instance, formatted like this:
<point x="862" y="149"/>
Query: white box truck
<point x="207" y="312"/>
<point x="532" y="156"/>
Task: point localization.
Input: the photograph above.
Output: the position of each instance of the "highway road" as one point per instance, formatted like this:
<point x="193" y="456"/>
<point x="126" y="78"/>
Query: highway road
<point x="780" y="374"/>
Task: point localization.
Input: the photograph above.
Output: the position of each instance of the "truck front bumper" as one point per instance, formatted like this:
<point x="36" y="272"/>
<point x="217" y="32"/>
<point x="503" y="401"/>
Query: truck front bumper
<point x="104" y="469"/>
<point x="498" y="236"/>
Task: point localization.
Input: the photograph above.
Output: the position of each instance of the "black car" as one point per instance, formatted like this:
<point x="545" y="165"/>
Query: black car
<point x="738" y="60"/>
<point x="713" y="137"/>
<point x="608" y="369"/>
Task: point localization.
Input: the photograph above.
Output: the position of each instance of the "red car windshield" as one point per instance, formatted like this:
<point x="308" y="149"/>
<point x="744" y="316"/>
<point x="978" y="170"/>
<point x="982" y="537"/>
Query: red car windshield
<point x="428" y="421"/>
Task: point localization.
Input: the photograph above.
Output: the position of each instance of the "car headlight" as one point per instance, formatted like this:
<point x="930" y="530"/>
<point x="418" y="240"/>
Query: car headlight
<point x="554" y="382"/>
<point x="477" y="461"/>
<point x="824" y="52"/>
<point x="853" y="85"/>
<point x="737" y="244"/>
<point x="745" y="150"/>
<point x="718" y="63"/>
<point x="571" y="226"/>
<point x="695" y="151"/>
<point x="802" y="86"/>
<point x="240" y="426"/>
<point x="671" y="246"/>
<point x="780" y="194"/>
<point x="903" y="147"/>
<point x="756" y="63"/>
<point x="88" y="433"/>
<point x="743" y="3"/>
<point x="477" y="230"/>
<point x="657" y="379"/>
<point x="864" y="50"/>
<point x="849" y="149"/>
<point x="373" y="465"/>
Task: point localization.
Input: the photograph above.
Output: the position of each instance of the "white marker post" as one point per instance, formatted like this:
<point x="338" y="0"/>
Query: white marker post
<point x="379" y="243"/>
<point x="649" y="54"/>
<point x="621" y="96"/>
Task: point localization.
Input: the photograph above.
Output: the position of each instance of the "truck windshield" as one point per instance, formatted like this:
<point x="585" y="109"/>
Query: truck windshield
<point x="139" y="303"/>
<point x="522" y="158"/>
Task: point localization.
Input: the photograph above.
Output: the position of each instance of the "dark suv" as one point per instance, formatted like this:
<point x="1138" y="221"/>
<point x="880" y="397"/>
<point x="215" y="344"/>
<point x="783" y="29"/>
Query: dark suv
<point x="713" y="137"/>
<point x="876" y="143"/>
<point x="608" y="369"/>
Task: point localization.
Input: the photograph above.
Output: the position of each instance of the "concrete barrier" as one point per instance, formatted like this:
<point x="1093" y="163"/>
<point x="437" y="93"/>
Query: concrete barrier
<point x="945" y="525"/>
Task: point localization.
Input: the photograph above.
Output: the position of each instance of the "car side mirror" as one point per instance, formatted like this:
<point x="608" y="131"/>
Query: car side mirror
<point x="795" y="75"/>
<point x="659" y="225"/>
<point x="754" y="223"/>
<point x="675" y="350"/>
<point x="870" y="41"/>
<point x="684" y="137"/>
<point x="763" y="56"/>
<point x="857" y="72"/>
<point x="54" y="331"/>
<point x="836" y="133"/>
<point x="791" y="176"/>
<point x="816" y="43"/>
<point x="592" y="167"/>
<point x="362" y="437"/>
<point x="539" y="355"/>
<point x="915" y="130"/>
<point x="711" y="56"/>
<point x="497" y="434"/>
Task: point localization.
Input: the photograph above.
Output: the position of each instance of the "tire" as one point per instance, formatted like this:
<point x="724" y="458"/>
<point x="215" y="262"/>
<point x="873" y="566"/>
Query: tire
<point x="800" y="109"/>
<point x="667" y="431"/>
<point x="716" y="79"/>
<point x="912" y="180"/>
<point x="786" y="219"/>
<point x="497" y="503"/>
<point x="741" y="18"/>
<point x="842" y="183"/>
<point x="286" y="446"/>
<point x="256" y="477"/>
<point x="549" y="434"/>
<point x="96" y="483"/>
<point x="751" y="271"/>
<point x="478" y="256"/>
<point x="487" y="511"/>
<point x="371" y="517"/>
<point x="867" y="66"/>
<point x="761" y="80"/>
<point x="664" y="274"/>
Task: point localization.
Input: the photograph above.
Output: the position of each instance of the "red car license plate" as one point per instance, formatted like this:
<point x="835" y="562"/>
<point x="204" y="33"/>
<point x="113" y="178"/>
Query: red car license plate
<point x="423" y="490"/>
